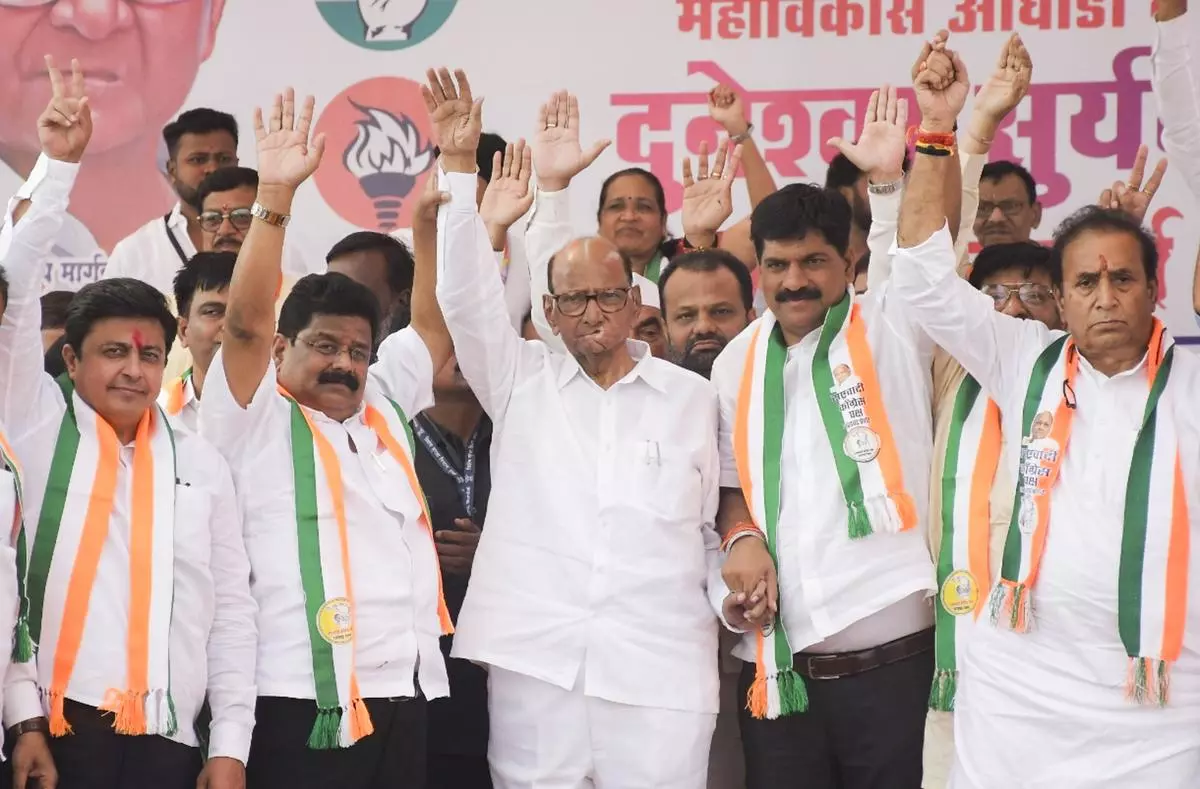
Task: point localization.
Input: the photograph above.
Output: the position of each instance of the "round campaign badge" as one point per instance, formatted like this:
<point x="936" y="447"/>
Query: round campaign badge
<point x="334" y="622"/>
<point x="960" y="593"/>
<point x="862" y="445"/>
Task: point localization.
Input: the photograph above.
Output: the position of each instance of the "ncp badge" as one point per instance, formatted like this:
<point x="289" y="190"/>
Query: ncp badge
<point x="960" y="593"/>
<point x="862" y="445"/>
<point x="334" y="621"/>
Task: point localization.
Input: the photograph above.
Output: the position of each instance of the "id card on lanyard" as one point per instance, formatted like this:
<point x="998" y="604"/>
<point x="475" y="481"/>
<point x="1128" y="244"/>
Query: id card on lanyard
<point x="461" y="470"/>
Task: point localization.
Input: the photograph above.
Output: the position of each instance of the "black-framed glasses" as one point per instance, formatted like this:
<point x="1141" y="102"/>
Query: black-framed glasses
<point x="1009" y="208"/>
<point x="1030" y="293"/>
<point x="575" y="304"/>
<point x="240" y="218"/>
<point x="359" y="354"/>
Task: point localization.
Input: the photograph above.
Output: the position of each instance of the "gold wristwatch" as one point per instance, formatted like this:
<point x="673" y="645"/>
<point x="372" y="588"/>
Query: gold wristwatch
<point x="259" y="211"/>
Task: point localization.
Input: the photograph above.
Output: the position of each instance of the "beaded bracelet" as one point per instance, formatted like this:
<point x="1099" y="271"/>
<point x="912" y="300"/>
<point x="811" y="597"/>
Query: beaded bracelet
<point x="739" y="531"/>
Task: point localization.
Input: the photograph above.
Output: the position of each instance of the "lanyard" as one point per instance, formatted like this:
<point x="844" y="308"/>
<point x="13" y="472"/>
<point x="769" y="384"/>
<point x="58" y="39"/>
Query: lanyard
<point x="463" y="480"/>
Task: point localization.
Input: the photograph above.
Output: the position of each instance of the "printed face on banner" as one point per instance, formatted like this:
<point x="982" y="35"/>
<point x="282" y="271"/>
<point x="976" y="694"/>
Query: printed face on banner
<point x="380" y="146"/>
<point x="139" y="62"/>
<point x="386" y="24"/>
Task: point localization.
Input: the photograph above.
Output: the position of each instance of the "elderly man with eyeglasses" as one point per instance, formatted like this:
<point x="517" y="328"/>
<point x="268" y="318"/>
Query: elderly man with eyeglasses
<point x="590" y="592"/>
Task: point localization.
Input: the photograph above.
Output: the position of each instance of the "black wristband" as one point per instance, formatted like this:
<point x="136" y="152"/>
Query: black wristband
<point x="39" y="724"/>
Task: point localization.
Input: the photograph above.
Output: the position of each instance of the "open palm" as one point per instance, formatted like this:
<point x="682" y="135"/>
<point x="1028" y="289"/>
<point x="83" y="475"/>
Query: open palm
<point x="508" y="196"/>
<point x="1009" y="83"/>
<point x="880" y="147"/>
<point x="286" y="157"/>
<point x="708" y="200"/>
<point x="456" y="116"/>
<point x="558" y="155"/>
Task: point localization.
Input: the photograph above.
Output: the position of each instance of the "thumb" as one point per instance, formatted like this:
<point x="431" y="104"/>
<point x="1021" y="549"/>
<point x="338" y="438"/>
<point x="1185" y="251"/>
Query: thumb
<point x="317" y="149"/>
<point x="595" y="151"/>
<point x="844" y="147"/>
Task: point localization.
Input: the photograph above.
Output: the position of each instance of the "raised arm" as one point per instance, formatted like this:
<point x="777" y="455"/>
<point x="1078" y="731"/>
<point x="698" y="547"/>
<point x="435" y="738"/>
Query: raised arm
<point x="471" y="296"/>
<point x="557" y="158"/>
<point x="286" y="158"/>
<point x="33" y="219"/>
<point x="708" y="196"/>
<point x="1177" y="89"/>
<point x="956" y="316"/>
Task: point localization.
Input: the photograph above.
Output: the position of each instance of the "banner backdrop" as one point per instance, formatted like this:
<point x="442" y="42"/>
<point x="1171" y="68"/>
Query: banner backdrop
<point x="642" y="69"/>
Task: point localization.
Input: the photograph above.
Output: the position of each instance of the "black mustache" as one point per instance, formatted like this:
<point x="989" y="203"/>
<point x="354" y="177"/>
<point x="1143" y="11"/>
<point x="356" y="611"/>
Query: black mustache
<point x="347" y="379"/>
<point x="804" y="294"/>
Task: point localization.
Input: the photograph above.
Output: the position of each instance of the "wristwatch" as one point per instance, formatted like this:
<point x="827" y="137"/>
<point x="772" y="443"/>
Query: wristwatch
<point x="740" y="138"/>
<point x="24" y="727"/>
<point x="885" y="189"/>
<point x="260" y="211"/>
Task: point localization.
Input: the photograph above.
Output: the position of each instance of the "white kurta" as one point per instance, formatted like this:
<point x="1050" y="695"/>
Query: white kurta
<point x="1047" y="708"/>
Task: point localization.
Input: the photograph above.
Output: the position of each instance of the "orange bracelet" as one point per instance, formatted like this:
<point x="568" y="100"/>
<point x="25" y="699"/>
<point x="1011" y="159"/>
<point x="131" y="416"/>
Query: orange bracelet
<point x="936" y="138"/>
<point x="737" y="532"/>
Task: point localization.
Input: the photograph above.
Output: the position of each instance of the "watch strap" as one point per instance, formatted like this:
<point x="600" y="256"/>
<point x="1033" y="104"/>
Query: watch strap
<point x="261" y="212"/>
<point x="39" y="724"/>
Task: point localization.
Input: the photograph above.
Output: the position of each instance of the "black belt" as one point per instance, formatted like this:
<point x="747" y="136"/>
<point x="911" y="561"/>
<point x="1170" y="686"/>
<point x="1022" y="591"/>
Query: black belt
<point x="847" y="664"/>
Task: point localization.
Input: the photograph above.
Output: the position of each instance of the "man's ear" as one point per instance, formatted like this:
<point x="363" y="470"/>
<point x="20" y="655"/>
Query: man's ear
<point x="1037" y="215"/>
<point x="278" y="348"/>
<point x="548" y="308"/>
<point x="181" y="330"/>
<point x="71" y="359"/>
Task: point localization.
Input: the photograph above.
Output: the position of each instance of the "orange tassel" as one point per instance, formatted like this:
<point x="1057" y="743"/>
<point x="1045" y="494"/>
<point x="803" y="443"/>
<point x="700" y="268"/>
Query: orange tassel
<point x="58" y="720"/>
<point x="360" y="720"/>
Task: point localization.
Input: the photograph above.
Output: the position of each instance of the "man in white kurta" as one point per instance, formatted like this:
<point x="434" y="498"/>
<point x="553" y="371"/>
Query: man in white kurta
<point x="588" y="597"/>
<point x="1047" y="708"/>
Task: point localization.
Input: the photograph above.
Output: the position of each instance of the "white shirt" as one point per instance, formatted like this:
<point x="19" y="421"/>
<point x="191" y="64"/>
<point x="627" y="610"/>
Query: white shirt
<point x="148" y="254"/>
<point x="1177" y="95"/>
<point x="212" y="634"/>
<point x="599" y="543"/>
<point x="1047" y="708"/>
<point x="75" y="257"/>
<point x="8" y="565"/>
<point x="190" y="415"/>
<point x="393" y="560"/>
<point x="828" y="582"/>
<point x="515" y="277"/>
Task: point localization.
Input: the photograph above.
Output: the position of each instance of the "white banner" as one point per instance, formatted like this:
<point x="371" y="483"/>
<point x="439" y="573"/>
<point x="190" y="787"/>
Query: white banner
<point x="642" y="69"/>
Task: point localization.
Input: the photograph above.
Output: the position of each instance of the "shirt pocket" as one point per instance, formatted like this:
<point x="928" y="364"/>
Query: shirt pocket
<point x="193" y="529"/>
<point x="663" y="479"/>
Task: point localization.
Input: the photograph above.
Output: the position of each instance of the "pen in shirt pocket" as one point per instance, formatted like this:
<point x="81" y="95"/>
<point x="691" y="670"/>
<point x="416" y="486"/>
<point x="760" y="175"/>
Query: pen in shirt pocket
<point x="651" y="455"/>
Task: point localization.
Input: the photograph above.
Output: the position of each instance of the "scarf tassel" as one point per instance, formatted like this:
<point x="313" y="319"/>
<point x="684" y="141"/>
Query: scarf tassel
<point x="172" y="717"/>
<point x="860" y="521"/>
<point x="129" y="709"/>
<point x="22" y="642"/>
<point x="1009" y="606"/>
<point x="790" y="689"/>
<point x="941" y="694"/>
<point x="1148" y="681"/>
<point x="58" y="719"/>
<point x="324" y="735"/>
<point x="360" y="720"/>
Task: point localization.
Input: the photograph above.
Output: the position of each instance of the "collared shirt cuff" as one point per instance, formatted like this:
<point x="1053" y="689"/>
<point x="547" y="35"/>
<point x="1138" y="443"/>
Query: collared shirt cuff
<point x="463" y="188"/>
<point x="231" y="740"/>
<point x="22" y="701"/>
<point x="1172" y="35"/>
<point x="553" y="207"/>
<point x="885" y="208"/>
<point x="47" y="174"/>
<point x="939" y="242"/>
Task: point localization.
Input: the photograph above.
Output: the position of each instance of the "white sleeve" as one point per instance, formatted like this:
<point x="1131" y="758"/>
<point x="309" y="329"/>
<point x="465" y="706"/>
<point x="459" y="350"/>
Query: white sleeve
<point x="404" y="371"/>
<point x="549" y="231"/>
<point x="885" y="218"/>
<point x="232" y="429"/>
<point x="1177" y="94"/>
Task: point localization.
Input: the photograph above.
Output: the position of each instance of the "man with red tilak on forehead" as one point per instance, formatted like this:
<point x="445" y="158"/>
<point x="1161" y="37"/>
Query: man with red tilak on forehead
<point x="137" y="601"/>
<point x="1088" y="673"/>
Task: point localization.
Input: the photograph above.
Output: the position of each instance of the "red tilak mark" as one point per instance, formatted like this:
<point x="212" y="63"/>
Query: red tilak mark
<point x="1103" y="263"/>
<point x="137" y="340"/>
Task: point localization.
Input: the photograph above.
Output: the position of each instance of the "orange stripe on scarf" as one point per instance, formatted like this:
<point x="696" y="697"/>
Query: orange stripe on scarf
<point x="741" y="438"/>
<point x="175" y="396"/>
<point x="83" y="573"/>
<point x="889" y="458"/>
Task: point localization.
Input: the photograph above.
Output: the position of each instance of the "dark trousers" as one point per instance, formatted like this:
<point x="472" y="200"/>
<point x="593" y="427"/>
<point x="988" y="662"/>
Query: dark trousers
<point x="393" y="757"/>
<point x="454" y="771"/>
<point x="865" y="731"/>
<point x="96" y="757"/>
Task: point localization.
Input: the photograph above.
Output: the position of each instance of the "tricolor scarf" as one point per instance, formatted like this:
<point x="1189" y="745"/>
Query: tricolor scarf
<point x="1153" y="576"/>
<point x="654" y="267"/>
<point x="325" y="572"/>
<point x="968" y="472"/>
<point x="72" y="530"/>
<point x="864" y="453"/>
<point x="177" y="393"/>
<point x="22" y="644"/>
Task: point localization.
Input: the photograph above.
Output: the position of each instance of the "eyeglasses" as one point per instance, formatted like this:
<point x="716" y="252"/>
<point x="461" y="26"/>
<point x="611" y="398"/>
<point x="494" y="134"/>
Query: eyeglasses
<point x="1009" y="208"/>
<point x="211" y="221"/>
<point x="1030" y="294"/>
<point x="359" y="354"/>
<point x="573" y="305"/>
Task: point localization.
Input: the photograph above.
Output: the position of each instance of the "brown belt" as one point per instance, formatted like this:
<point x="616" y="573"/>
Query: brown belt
<point x="847" y="664"/>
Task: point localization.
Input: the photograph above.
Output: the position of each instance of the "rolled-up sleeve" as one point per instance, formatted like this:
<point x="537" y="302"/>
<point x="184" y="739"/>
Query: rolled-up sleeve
<point x="233" y="639"/>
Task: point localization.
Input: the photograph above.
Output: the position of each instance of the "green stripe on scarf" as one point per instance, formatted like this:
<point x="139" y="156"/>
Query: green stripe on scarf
<point x="22" y="649"/>
<point x="793" y="696"/>
<point x="835" y="427"/>
<point x="324" y="734"/>
<point x="653" y="270"/>
<point x="945" y="678"/>
<point x="1137" y="507"/>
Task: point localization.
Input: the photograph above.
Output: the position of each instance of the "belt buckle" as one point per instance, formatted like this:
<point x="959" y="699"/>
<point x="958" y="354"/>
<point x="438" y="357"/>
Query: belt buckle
<point x="811" y="664"/>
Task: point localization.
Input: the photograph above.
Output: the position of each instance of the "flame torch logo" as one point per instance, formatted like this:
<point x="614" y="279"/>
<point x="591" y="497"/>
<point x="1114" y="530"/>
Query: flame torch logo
<point x="386" y="158"/>
<point x="382" y="127"/>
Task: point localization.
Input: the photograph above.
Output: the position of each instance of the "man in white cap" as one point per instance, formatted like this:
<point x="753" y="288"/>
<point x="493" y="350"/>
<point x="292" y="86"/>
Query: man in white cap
<point x="649" y="326"/>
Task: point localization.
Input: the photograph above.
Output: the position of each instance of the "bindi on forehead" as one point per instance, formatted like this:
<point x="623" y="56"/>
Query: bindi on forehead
<point x="139" y="341"/>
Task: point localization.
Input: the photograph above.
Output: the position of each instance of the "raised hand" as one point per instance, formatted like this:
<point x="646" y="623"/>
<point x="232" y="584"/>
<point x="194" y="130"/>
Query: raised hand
<point x="1008" y="84"/>
<point x="65" y="127"/>
<point x="1131" y="196"/>
<point x="708" y="199"/>
<point x="557" y="155"/>
<point x="508" y="195"/>
<point x="457" y="117"/>
<point x="725" y="107"/>
<point x="880" y="149"/>
<point x="286" y="156"/>
<point x="941" y="84"/>
<point x="425" y="213"/>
